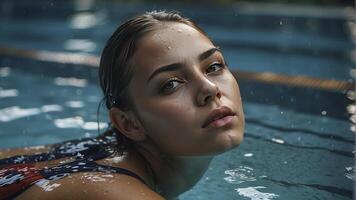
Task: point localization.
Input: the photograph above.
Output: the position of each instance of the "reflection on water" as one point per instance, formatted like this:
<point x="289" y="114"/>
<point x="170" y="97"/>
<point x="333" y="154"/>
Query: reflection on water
<point x="248" y="154"/>
<point x="85" y="20"/>
<point x="80" y="45"/>
<point x="245" y="174"/>
<point x="240" y="175"/>
<point x="5" y="71"/>
<point x="8" y="93"/>
<point x="76" y="82"/>
<point x="75" y="104"/>
<point x="254" y="194"/>
<point x="279" y="141"/>
<point x="78" y="122"/>
<point x="15" y="112"/>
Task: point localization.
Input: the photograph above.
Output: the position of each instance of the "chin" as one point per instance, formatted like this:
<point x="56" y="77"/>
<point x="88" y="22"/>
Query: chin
<point x="232" y="140"/>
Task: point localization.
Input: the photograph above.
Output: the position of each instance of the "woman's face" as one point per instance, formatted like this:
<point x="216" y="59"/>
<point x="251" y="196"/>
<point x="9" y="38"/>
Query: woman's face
<point x="179" y="82"/>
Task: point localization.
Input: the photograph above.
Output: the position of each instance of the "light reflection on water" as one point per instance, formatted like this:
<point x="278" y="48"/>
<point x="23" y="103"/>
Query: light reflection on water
<point x="253" y="194"/>
<point x="85" y="20"/>
<point x="78" y="122"/>
<point x="5" y="71"/>
<point x="8" y="93"/>
<point x="84" y="45"/>
<point x="71" y="81"/>
<point x="15" y="112"/>
<point x="245" y="174"/>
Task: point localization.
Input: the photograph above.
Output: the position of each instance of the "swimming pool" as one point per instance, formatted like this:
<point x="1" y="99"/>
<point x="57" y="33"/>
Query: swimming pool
<point x="298" y="143"/>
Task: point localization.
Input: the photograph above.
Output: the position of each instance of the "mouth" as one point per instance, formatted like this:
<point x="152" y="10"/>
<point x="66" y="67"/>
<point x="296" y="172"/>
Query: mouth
<point x="219" y="117"/>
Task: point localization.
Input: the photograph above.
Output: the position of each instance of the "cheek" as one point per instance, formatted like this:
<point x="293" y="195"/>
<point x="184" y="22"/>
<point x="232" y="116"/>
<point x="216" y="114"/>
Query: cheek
<point x="162" y="115"/>
<point x="229" y="87"/>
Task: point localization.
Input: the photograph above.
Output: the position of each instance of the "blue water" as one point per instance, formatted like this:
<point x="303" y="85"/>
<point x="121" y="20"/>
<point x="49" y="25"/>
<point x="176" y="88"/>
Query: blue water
<point x="285" y="155"/>
<point x="298" y="149"/>
<point x="316" y="45"/>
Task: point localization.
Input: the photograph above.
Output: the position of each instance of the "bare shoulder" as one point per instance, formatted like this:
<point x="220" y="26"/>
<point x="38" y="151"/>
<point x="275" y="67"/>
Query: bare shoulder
<point x="5" y="153"/>
<point x="93" y="185"/>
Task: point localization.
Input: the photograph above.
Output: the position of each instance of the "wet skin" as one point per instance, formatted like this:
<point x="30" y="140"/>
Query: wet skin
<point x="171" y="107"/>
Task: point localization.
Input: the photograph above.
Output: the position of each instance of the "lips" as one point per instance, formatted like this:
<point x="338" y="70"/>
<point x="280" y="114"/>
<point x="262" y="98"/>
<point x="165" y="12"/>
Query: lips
<point x="217" y="115"/>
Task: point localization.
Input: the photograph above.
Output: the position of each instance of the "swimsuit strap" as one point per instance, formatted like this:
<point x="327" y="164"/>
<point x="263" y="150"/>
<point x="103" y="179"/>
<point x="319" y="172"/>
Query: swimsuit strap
<point x="84" y="165"/>
<point x="88" y="147"/>
<point x="18" y="173"/>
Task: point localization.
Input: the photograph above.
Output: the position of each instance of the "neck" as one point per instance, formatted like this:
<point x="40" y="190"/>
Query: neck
<point x="174" y="175"/>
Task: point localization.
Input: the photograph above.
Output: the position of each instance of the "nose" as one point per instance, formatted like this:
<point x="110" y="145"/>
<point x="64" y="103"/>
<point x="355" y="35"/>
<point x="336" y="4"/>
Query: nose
<point x="208" y="91"/>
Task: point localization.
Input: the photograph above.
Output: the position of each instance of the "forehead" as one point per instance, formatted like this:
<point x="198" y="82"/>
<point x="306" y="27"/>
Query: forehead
<point x="171" y="42"/>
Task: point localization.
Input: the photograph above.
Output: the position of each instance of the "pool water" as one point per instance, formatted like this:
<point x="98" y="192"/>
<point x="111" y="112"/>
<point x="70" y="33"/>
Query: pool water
<point x="315" y="43"/>
<point x="298" y="143"/>
<point x="286" y="154"/>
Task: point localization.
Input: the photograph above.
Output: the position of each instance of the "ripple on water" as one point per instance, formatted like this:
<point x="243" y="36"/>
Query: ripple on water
<point x="240" y="175"/>
<point x="350" y="173"/>
<point x="78" y="122"/>
<point x="245" y="174"/>
<point x="16" y="112"/>
<point x="254" y="194"/>
<point x="8" y="93"/>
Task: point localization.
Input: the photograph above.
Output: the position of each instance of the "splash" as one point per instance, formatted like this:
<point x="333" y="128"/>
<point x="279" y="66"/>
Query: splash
<point x="240" y="175"/>
<point x="254" y="194"/>
<point x="350" y="173"/>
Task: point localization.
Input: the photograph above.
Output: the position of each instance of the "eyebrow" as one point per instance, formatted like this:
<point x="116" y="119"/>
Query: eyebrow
<point x="176" y="66"/>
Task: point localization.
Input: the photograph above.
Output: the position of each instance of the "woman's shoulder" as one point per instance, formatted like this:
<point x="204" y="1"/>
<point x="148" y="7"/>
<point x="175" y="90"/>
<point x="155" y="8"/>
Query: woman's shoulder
<point x="77" y="169"/>
<point x="92" y="185"/>
<point x="10" y="152"/>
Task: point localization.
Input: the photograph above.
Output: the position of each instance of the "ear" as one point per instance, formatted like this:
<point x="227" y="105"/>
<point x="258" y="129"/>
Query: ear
<point x="127" y="124"/>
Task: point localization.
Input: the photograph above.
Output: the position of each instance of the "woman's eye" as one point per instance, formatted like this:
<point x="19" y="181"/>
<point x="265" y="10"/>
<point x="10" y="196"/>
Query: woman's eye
<point x="170" y="85"/>
<point x="214" y="67"/>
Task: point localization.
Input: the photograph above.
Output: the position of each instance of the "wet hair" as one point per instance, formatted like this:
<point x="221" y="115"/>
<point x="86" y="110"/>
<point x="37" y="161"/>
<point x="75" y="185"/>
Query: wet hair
<point x="115" y="70"/>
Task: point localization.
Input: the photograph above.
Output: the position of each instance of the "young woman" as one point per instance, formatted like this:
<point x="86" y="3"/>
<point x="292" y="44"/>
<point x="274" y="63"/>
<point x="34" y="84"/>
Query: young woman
<point x="173" y="105"/>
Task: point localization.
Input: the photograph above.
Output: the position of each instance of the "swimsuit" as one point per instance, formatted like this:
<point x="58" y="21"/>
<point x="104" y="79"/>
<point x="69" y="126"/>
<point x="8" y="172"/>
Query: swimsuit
<point x="18" y="173"/>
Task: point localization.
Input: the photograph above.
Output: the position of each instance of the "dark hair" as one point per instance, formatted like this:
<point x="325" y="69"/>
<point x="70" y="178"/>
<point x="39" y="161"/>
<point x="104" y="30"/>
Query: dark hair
<point x="115" y="70"/>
